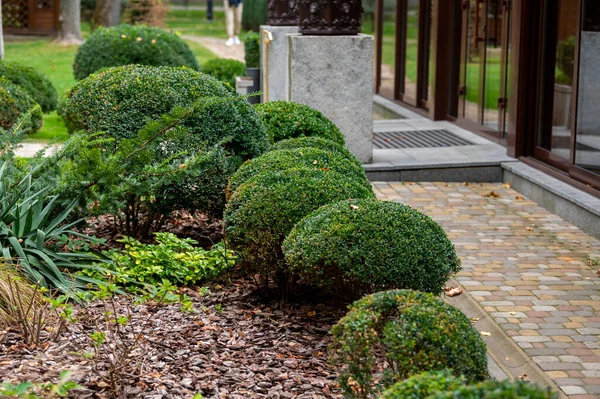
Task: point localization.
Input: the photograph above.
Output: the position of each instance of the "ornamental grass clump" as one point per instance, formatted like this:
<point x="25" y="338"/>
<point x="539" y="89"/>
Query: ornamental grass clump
<point x="16" y="106"/>
<point x="311" y="158"/>
<point x="498" y="390"/>
<point x="264" y="209"/>
<point x="131" y="44"/>
<point x="313" y="142"/>
<point x="369" y="245"/>
<point x="389" y="336"/>
<point x="421" y="386"/>
<point x="32" y="82"/>
<point x="286" y="120"/>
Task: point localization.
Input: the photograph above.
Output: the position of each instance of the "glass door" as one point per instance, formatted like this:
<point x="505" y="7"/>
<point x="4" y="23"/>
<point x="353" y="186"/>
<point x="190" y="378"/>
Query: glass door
<point x="485" y="53"/>
<point x="387" y="48"/>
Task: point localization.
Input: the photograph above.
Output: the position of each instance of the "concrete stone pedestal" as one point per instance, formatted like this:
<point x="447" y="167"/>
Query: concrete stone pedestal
<point x="278" y="55"/>
<point x="334" y="74"/>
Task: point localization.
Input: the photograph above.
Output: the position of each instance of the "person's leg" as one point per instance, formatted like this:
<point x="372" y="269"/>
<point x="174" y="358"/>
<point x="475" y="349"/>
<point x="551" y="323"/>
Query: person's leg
<point x="229" y="20"/>
<point x="238" y="18"/>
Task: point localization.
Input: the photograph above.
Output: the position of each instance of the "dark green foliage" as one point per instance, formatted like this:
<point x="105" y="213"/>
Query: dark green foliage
<point x="34" y="83"/>
<point x="499" y="390"/>
<point x="252" y="50"/>
<point x="254" y="15"/>
<point x="285" y="120"/>
<point x="16" y="106"/>
<point x="311" y="158"/>
<point x="131" y="44"/>
<point x="422" y="385"/>
<point x="565" y="60"/>
<point x="372" y="245"/>
<point x="314" y="142"/>
<point x="225" y="70"/>
<point x="405" y="333"/>
<point x="34" y="234"/>
<point x="265" y="208"/>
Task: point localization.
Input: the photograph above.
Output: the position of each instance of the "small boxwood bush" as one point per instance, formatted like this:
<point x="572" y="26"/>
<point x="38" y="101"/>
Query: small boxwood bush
<point x="15" y="104"/>
<point x="252" y="50"/>
<point x="403" y="333"/>
<point x="311" y="158"/>
<point x="265" y="208"/>
<point x="285" y="120"/>
<point x="313" y="142"/>
<point x="371" y="244"/>
<point x="131" y="44"/>
<point x="421" y="386"/>
<point x="225" y="70"/>
<point x="34" y="83"/>
<point x="498" y="390"/>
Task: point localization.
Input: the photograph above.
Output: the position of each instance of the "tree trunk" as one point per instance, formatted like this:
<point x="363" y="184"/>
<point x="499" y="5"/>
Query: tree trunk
<point x="115" y="15"/>
<point x="1" y="34"/>
<point x="70" y="22"/>
<point x="102" y="13"/>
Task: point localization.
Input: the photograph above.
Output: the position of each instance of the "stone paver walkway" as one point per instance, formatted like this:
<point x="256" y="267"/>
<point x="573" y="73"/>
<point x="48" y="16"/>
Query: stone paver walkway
<point x="534" y="273"/>
<point x="218" y="47"/>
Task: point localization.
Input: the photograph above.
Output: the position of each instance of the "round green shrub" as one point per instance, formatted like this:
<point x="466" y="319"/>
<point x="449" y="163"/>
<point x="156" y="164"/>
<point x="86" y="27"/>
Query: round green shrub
<point x="422" y="385"/>
<point x="122" y="100"/>
<point x="34" y="83"/>
<point x="313" y="142"/>
<point x="404" y="333"/>
<point x="371" y="244"/>
<point x="264" y="209"/>
<point x="498" y="390"/>
<point x="224" y="70"/>
<point x="131" y="44"/>
<point x="311" y="158"/>
<point x="252" y="49"/>
<point x="285" y="120"/>
<point x="16" y="103"/>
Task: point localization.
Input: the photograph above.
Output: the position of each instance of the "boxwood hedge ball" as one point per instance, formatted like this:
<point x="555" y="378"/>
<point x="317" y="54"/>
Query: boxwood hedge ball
<point x="498" y="390"/>
<point x="311" y="158"/>
<point x="264" y="209"/>
<point x="313" y="142"/>
<point x="389" y="336"/>
<point x="286" y="119"/>
<point x="32" y="82"/>
<point x="421" y="386"/>
<point x="15" y="103"/>
<point x="372" y="245"/>
<point x="131" y="44"/>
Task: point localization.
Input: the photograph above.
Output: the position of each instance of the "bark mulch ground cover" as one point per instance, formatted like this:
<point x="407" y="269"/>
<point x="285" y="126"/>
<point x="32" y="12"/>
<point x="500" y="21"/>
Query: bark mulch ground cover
<point x="235" y="345"/>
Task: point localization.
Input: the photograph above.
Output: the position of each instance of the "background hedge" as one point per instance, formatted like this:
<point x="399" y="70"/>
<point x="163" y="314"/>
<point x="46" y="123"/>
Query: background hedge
<point x="311" y="158"/>
<point x="285" y="120"/>
<point x="131" y="44"/>
<point x="373" y="245"/>
<point x="224" y="70"/>
<point x="32" y="82"/>
<point x="263" y="210"/>
<point x="16" y="103"/>
<point x="409" y="331"/>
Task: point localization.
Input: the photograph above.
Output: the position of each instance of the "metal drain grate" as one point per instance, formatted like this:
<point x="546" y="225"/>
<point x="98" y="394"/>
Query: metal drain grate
<point x="417" y="139"/>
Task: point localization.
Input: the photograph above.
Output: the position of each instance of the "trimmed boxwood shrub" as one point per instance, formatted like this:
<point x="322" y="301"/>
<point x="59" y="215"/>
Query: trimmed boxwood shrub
<point x="252" y="50"/>
<point x="311" y="158"/>
<point x="371" y="244"/>
<point x="16" y="103"/>
<point x="224" y="69"/>
<point x="122" y="100"/>
<point x="313" y="142"/>
<point x="498" y="390"/>
<point x="422" y="385"/>
<point x="403" y="333"/>
<point x="33" y="82"/>
<point x="131" y="44"/>
<point x="285" y="120"/>
<point x="265" y="208"/>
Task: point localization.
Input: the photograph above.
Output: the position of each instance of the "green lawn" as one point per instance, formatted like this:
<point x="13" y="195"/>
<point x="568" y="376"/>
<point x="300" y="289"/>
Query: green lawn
<point x="193" y="22"/>
<point x="56" y="62"/>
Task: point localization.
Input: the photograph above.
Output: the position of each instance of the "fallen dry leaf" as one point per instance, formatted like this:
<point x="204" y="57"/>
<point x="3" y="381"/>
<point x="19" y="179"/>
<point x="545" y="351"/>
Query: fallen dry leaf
<point x="524" y="377"/>
<point x="474" y="320"/>
<point x="519" y="197"/>
<point x="529" y="228"/>
<point x="465" y="184"/>
<point x="491" y="194"/>
<point x="507" y="358"/>
<point x="513" y="313"/>
<point x="311" y="313"/>
<point x="352" y="206"/>
<point x="507" y="185"/>
<point x="315" y="162"/>
<point x="454" y="291"/>
<point x="486" y="334"/>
